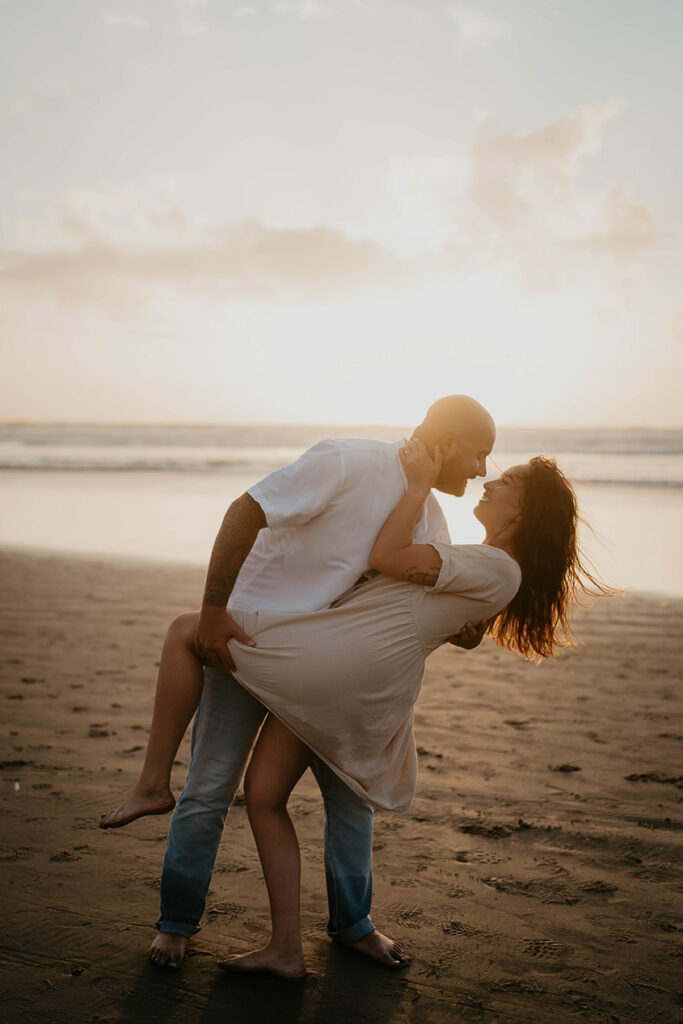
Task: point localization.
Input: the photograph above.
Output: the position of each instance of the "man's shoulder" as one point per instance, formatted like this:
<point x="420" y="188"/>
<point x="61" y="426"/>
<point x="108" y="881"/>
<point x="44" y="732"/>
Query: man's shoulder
<point x="353" y="445"/>
<point x="363" y="456"/>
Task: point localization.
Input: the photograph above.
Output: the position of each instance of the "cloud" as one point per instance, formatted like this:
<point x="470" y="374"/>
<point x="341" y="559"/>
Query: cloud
<point x="525" y="200"/>
<point x="519" y="199"/>
<point x="510" y="200"/>
<point x="97" y="246"/>
<point x="119" y="19"/>
<point x="187" y="16"/>
<point x="190" y="14"/>
<point x="35" y="98"/>
<point x="111" y="214"/>
<point x="476" y="30"/>
<point x="307" y="10"/>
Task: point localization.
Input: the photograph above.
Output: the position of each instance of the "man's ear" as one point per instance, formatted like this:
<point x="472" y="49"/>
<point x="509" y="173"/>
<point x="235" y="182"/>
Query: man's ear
<point x="448" y="443"/>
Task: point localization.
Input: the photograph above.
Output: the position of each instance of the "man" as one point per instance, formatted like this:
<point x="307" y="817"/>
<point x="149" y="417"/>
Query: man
<point x="295" y="542"/>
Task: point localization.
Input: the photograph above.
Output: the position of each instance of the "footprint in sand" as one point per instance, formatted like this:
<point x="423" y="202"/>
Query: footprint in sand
<point x="544" y="948"/>
<point x="479" y="828"/>
<point x="97" y="730"/>
<point x="423" y="752"/>
<point x="517" y="985"/>
<point x="600" y="888"/>
<point x="671" y="824"/>
<point x="458" y="928"/>
<point x="229" y="911"/>
<point x="484" y="857"/>
<point x="20" y="853"/>
<point x="545" y="892"/>
<point x="457" y="893"/>
<point x="408" y="917"/>
<point x="406" y="883"/>
<point x="667" y="780"/>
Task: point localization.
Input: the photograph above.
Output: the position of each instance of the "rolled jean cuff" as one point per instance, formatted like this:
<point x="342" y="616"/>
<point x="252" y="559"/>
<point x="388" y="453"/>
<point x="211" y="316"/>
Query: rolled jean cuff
<point x="177" y="928"/>
<point x="354" y="932"/>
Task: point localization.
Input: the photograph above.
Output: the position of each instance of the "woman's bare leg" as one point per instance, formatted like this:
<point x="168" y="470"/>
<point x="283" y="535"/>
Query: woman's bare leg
<point x="278" y="762"/>
<point x="179" y="687"/>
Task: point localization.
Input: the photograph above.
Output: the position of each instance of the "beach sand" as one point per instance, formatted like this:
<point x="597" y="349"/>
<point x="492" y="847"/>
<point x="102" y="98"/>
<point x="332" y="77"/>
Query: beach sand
<point x="535" y="879"/>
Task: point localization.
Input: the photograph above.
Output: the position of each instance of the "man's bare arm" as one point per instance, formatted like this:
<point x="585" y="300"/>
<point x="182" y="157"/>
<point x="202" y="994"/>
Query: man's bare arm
<point x="234" y="541"/>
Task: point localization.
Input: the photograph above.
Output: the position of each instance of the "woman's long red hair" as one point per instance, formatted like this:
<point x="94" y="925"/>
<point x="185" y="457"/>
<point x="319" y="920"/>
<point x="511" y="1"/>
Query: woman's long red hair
<point x="554" y="570"/>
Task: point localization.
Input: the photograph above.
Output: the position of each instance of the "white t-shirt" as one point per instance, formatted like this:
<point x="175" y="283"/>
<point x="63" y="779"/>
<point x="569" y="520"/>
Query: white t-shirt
<point x="324" y="512"/>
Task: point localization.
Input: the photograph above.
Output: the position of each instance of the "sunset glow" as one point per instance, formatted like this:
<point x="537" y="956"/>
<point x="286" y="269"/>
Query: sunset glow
<point x="335" y="211"/>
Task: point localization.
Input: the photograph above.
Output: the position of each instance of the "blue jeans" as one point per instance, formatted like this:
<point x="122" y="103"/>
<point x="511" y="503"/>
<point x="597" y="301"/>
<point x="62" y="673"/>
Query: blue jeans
<point x="225" y="726"/>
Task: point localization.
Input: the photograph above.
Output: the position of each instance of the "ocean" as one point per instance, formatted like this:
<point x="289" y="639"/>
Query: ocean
<point x="159" y="492"/>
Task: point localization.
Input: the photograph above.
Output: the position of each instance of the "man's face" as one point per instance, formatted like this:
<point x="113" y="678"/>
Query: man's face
<point x="464" y="458"/>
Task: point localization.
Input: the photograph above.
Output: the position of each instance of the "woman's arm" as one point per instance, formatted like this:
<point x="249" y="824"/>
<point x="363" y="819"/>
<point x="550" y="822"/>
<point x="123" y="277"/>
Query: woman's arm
<point x="394" y="552"/>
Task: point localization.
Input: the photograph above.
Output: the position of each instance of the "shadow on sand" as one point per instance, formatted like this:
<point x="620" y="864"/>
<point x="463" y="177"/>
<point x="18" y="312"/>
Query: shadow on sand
<point x="342" y="987"/>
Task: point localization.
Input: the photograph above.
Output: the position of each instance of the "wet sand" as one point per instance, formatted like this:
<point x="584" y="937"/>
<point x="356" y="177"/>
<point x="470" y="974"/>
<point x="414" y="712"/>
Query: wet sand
<point x="535" y="879"/>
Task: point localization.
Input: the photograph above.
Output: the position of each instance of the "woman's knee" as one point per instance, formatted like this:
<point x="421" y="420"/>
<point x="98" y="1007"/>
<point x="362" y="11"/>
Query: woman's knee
<point x="261" y="792"/>
<point x="182" y="628"/>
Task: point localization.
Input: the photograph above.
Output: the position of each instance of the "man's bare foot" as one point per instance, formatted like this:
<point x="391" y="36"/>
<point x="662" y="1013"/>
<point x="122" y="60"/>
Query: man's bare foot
<point x="381" y="948"/>
<point x="137" y="805"/>
<point x="267" y="961"/>
<point x="168" y="950"/>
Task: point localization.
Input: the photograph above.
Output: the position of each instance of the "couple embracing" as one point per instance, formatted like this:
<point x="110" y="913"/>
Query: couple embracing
<point x="339" y="579"/>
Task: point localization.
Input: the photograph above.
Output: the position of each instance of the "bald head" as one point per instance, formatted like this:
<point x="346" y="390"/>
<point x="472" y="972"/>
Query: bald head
<point x="460" y="414"/>
<point x="465" y="432"/>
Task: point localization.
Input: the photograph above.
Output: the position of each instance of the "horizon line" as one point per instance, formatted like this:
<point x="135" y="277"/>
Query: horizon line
<point x="199" y="424"/>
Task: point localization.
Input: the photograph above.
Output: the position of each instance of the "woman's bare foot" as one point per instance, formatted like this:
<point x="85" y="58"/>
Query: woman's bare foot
<point x="381" y="948"/>
<point x="137" y="805"/>
<point x="168" y="950"/>
<point x="267" y="961"/>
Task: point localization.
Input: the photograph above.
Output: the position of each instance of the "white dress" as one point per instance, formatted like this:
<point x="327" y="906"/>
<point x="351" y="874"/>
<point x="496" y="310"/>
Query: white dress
<point x="345" y="680"/>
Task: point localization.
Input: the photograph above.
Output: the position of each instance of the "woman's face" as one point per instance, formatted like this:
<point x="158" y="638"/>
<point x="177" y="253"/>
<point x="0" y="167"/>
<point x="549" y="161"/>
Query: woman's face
<point x="501" y="503"/>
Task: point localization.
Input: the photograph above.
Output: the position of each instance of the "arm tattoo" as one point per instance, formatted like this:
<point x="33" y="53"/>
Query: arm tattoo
<point x="423" y="577"/>
<point x="235" y="539"/>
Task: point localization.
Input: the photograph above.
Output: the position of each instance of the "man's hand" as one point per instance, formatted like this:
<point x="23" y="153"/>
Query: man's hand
<point x="235" y="539"/>
<point x="470" y="636"/>
<point x="214" y="628"/>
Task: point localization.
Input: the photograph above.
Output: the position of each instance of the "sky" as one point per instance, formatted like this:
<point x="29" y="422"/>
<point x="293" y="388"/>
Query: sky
<point x="336" y="211"/>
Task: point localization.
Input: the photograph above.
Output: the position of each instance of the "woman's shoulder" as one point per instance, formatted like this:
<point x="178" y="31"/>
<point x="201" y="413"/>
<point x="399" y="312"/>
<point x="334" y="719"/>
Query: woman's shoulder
<point x="478" y="567"/>
<point x="474" y="552"/>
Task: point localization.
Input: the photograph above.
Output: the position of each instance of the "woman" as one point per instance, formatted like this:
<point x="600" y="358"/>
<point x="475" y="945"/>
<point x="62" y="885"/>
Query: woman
<point x="342" y="683"/>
